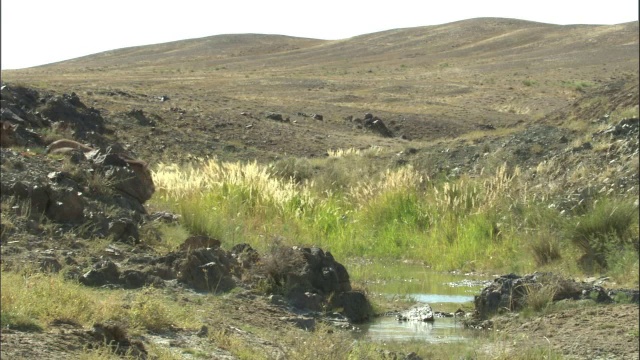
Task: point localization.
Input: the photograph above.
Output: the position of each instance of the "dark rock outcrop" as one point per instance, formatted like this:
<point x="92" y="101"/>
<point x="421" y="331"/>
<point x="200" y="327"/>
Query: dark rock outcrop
<point x="376" y="125"/>
<point x="354" y="304"/>
<point x="321" y="272"/>
<point x="206" y="269"/>
<point x="510" y="292"/>
<point x="318" y="283"/>
<point x="274" y="116"/>
<point x="102" y="273"/>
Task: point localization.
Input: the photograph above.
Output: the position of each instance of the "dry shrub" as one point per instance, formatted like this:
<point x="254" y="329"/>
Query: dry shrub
<point x="299" y="170"/>
<point x="538" y="296"/>
<point x="545" y="248"/>
<point x="277" y="265"/>
<point x="607" y="228"/>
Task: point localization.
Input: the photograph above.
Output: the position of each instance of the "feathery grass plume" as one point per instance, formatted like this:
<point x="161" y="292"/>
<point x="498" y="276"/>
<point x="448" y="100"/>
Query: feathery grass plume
<point x="250" y="184"/>
<point x="405" y="179"/>
<point x="464" y="223"/>
<point x="299" y="170"/>
<point x="457" y="198"/>
<point x="373" y="150"/>
<point x="501" y="187"/>
<point x="344" y="152"/>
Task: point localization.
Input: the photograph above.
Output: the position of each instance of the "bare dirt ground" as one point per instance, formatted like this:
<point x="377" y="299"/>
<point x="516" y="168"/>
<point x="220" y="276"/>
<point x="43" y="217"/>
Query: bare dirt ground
<point x="602" y="332"/>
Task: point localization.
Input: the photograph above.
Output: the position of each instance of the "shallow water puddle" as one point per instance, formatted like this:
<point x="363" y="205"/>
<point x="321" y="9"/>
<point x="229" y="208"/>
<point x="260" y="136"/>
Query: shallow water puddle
<point x="388" y="328"/>
<point x="442" y="291"/>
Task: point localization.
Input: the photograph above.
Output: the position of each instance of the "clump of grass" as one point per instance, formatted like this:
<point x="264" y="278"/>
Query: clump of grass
<point x="531" y="353"/>
<point x="539" y="296"/>
<point x="237" y="345"/>
<point x="163" y="237"/>
<point x="464" y="223"/>
<point x="17" y="321"/>
<point x="150" y="311"/>
<point x="605" y="229"/>
<point x="545" y="247"/>
<point x="314" y="346"/>
<point x="625" y="113"/>
<point x="299" y="170"/>
<point x="624" y="266"/>
<point x="576" y="85"/>
<point x="277" y="265"/>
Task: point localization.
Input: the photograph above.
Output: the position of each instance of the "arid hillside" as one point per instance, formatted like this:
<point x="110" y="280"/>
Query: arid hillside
<point x="425" y="83"/>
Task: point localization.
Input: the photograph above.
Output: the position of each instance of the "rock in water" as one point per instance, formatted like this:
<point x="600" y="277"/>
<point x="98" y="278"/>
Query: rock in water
<point x="419" y="313"/>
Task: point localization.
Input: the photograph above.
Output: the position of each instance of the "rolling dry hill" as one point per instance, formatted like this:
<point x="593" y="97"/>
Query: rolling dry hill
<point x="425" y="83"/>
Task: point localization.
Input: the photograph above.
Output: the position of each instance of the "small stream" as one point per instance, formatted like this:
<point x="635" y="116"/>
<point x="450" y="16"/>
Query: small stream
<point x="442" y="291"/>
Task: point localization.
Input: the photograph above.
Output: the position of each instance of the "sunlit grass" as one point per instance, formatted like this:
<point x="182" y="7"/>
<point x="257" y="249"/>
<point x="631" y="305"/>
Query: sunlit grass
<point x="472" y="224"/>
<point x="22" y="294"/>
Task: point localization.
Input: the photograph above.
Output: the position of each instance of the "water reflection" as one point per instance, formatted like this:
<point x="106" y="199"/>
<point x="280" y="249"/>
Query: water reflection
<point x="441" y="298"/>
<point x="404" y="279"/>
<point x="388" y="328"/>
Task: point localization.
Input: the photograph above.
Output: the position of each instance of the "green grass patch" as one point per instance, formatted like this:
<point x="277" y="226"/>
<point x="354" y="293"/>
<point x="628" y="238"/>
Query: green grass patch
<point x="576" y="85"/>
<point x="487" y="223"/>
<point x="607" y="228"/>
<point x="23" y="308"/>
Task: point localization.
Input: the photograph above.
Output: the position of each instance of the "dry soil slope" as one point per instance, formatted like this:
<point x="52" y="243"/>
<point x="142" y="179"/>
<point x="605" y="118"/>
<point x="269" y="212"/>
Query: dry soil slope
<point x="476" y="42"/>
<point x="193" y="52"/>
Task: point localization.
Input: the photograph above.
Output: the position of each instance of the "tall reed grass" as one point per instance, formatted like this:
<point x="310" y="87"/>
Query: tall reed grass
<point x="487" y="222"/>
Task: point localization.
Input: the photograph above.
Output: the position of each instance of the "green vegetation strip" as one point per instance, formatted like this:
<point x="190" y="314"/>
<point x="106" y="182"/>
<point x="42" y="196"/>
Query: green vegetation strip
<point x="492" y="222"/>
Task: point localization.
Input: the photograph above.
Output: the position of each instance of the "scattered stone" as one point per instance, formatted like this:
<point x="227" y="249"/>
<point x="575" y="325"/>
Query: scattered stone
<point x="164" y="216"/>
<point x="203" y="332"/>
<point x="245" y="255"/>
<point x="355" y="305"/>
<point x="124" y="230"/>
<point x="49" y="264"/>
<point x="393" y="355"/>
<point x="376" y="125"/>
<point x="66" y="205"/>
<point x="141" y="117"/>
